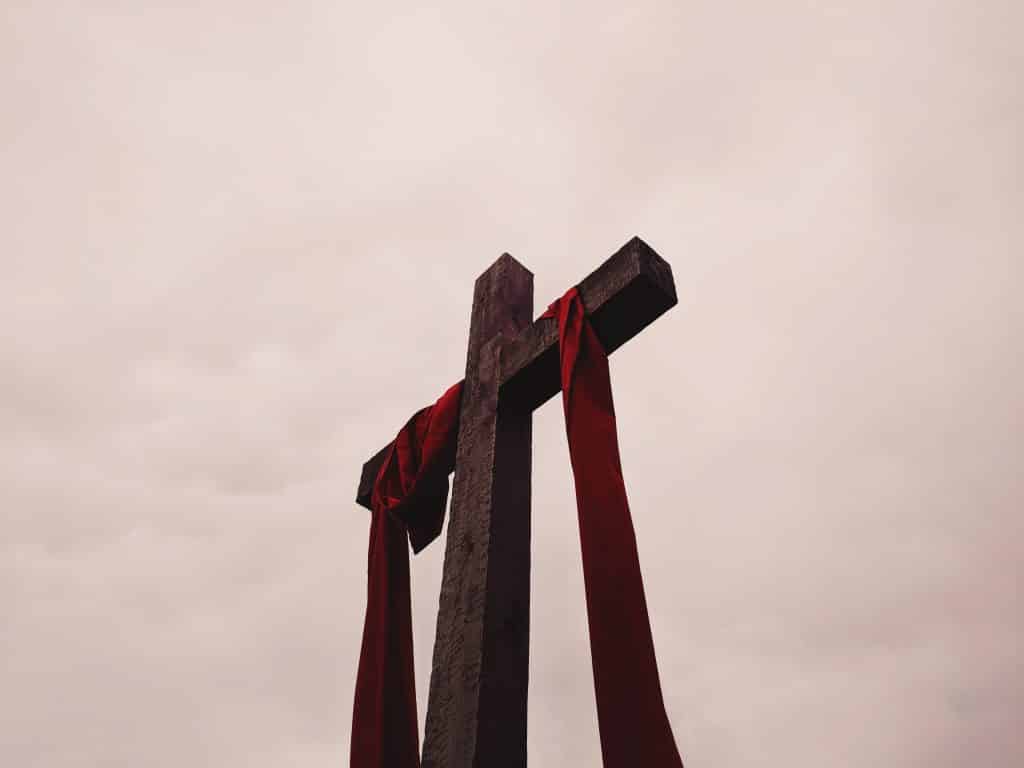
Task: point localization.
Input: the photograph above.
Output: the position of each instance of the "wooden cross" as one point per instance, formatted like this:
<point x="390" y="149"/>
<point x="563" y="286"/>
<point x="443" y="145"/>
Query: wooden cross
<point x="476" y="711"/>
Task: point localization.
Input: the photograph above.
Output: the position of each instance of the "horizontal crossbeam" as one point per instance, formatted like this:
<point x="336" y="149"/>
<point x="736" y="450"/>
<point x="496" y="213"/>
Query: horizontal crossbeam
<point x="628" y="292"/>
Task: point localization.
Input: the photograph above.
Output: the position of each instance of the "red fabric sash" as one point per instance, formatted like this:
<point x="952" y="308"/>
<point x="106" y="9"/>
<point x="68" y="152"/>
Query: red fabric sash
<point x="408" y="501"/>
<point x="631" y="717"/>
<point x="409" y="497"/>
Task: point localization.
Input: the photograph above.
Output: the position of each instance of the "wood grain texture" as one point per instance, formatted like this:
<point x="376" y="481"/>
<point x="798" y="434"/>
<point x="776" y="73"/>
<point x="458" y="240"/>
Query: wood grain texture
<point x="476" y="712"/>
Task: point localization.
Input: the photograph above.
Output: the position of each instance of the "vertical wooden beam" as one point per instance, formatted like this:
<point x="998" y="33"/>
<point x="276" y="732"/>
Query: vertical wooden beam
<point x="476" y="713"/>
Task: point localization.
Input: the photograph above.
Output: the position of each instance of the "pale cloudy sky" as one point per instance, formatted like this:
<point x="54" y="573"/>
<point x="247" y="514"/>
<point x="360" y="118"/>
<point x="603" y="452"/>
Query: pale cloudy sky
<point x="238" y="248"/>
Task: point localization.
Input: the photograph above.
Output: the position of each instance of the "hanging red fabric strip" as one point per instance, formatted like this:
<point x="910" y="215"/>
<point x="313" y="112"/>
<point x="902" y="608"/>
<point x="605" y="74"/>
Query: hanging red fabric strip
<point x="634" y="727"/>
<point x="408" y="502"/>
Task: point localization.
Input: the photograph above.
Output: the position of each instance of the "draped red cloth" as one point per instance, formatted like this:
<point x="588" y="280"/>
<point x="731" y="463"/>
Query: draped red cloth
<point x="631" y="717"/>
<point x="408" y="499"/>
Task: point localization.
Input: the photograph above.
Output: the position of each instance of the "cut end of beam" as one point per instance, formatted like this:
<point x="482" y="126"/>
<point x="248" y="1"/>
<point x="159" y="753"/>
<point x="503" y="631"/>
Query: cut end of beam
<point x="504" y="263"/>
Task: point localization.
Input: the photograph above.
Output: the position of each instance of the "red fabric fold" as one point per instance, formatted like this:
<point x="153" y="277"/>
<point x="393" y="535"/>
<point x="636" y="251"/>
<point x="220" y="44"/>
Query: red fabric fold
<point x="633" y="724"/>
<point x="408" y="502"/>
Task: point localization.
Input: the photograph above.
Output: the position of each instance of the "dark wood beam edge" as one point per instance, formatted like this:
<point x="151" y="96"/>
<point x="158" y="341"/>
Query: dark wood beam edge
<point x="624" y="295"/>
<point x="369" y="476"/>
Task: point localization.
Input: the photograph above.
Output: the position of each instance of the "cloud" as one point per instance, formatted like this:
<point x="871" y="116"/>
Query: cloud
<point x="239" y="249"/>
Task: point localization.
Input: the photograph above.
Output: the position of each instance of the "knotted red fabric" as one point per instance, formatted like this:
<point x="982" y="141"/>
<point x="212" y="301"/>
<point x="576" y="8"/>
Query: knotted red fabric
<point x="634" y="727"/>
<point x="408" y="502"/>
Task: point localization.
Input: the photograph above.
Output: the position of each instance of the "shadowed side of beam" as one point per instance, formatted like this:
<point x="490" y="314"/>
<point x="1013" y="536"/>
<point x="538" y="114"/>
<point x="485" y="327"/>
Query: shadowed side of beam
<point x="631" y="290"/>
<point x="369" y="476"/>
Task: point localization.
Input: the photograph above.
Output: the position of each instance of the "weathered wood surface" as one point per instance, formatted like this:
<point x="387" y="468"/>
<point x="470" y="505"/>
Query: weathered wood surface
<point x="628" y="292"/>
<point x="476" y="712"/>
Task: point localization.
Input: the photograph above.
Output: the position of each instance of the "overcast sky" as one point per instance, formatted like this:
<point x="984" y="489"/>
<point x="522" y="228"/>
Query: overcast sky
<point x="238" y="247"/>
